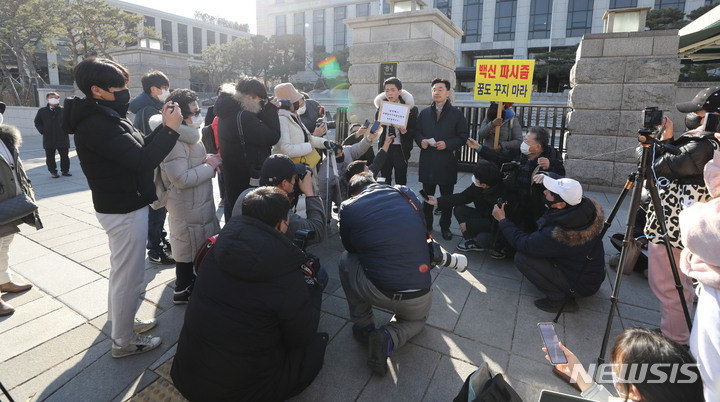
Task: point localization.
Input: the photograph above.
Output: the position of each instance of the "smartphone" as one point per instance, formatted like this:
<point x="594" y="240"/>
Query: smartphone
<point x="171" y="107"/>
<point x="374" y="127"/>
<point x="552" y="343"/>
<point x="381" y="180"/>
<point x="424" y="195"/>
<point x="366" y="124"/>
<point x="712" y="123"/>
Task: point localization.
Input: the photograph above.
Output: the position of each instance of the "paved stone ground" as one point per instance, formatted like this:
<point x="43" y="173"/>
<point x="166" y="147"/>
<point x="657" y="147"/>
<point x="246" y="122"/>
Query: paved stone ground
<point x="57" y="347"/>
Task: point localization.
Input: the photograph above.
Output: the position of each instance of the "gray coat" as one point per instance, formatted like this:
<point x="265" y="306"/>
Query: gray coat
<point x="10" y="136"/>
<point x="190" y="205"/>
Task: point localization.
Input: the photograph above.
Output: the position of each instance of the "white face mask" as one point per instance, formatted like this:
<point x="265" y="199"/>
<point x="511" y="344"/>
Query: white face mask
<point x="525" y="148"/>
<point x="164" y="95"/>
<point x="53" y="101"/>
<point x="197" y="121"/>
<point x="302" y="109"/>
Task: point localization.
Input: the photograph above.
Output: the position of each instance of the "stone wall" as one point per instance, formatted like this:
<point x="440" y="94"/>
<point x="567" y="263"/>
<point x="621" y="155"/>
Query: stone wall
<point x="615" y="77"/>
<point x="422" y="44"/>
<point x="139" y="60"/>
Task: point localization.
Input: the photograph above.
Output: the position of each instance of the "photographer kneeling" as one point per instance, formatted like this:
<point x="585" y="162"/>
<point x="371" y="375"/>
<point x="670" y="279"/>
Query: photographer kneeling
<point x="553" y="256"/>
<point x="387" y="264"/>
<point x="250" y="329"/>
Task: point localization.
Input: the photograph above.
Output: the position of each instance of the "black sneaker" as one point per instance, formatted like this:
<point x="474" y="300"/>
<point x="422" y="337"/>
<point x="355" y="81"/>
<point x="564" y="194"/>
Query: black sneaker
<point x="380" y="346"/>
<point x="166" y="246"/>
<point x="362" y="334"/>
<point x="446" y="234"/>
<point x="160" y="258"/>
<point x="497" y="254"/>
<point x="183" y="296"/>
<point x="67" y="174"/>
<point x="469" y="245"/>
<point x="553" y="306"/>
<point x="54" y="175"/>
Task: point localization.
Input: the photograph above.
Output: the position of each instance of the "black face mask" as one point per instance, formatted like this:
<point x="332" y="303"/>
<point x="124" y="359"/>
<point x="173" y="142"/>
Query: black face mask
<point x="341" y="158"/>
<point x="121" y="102"/>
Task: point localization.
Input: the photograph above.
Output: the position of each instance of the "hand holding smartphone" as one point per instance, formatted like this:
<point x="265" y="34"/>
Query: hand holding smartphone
<point x="374" y="127"/>
<point x="424" y="195"/>
<point x="552" y="343"/>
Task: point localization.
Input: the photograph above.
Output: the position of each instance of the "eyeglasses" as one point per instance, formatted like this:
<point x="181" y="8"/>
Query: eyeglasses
<point x="198" y="113"/>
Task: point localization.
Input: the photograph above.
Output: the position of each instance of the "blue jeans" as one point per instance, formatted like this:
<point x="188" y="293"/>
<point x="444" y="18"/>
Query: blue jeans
<point x="156" y="221"/>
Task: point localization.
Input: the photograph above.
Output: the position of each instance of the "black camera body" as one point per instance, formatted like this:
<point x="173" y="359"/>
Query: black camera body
<point x="330" y="123"/>
<point x="652" y="117"/>
<point x="302" y="236"/>
<point x="286" y="103"/>
<point x="712" y="122"/>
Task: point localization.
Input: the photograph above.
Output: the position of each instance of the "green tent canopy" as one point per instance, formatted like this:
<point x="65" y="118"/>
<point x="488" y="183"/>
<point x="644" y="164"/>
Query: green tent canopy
<point x="700" y="40"/>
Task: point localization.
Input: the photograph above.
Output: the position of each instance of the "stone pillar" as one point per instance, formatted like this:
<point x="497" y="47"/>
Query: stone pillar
<point x="615" y="76"/>
<point x="140" y="60"/>
<point x="421" y="42"/>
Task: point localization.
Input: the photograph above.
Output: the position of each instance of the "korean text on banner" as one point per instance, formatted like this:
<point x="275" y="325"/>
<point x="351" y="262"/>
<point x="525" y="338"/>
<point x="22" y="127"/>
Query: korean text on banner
<point x="504" y="80"/>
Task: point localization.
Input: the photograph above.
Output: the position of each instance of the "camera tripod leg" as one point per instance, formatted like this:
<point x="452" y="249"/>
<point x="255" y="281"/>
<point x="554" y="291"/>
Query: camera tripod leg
<point x="5" y="391"/>
<point x="660" y="216"/>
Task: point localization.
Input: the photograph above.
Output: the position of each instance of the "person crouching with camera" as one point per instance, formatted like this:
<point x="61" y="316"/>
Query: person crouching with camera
<point x="552" y="258"/>
<point x="386" y="264"/>
<point x="250" y="330"/>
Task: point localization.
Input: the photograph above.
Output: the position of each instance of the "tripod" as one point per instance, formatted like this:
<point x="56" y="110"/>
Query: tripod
<point x="635" y="182"/>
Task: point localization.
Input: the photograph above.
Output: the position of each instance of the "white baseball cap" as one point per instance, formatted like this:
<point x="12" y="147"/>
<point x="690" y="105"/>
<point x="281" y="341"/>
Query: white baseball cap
<point x="568" y="189"/>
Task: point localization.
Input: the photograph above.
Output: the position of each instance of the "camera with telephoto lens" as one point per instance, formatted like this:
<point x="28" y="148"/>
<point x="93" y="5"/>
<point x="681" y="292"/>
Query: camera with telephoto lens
<point x="652" y="117"/>
<point x="311" y="266"/>
<point x="330" y="123"/>
<point x="285" y="103"/>
<point x="441" y="257"/>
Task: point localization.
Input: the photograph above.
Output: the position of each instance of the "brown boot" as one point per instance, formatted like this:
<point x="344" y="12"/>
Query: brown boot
<point x="12" y="287"/>
<point x="5" y="309"/>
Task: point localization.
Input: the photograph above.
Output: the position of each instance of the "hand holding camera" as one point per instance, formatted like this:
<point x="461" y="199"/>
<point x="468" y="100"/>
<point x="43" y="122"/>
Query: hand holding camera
<point x="171" y="115"/>
<point x="305" y="184"/>
<point x="498" y="212"/>
<point x="320" y="130"/>
<point x="544" y="163"/>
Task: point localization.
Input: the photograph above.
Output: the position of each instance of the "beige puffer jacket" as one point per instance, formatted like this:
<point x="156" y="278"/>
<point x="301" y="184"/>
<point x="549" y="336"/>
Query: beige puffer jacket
<point x="190" y="204"/>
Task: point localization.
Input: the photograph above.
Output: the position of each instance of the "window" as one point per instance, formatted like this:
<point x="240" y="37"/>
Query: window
<point x="579" y="20"/>
<point x="166" y="35"/>
<point x="150" y="22"/>
<point x="182" y="38"/>
<point x="210" y="38"/>
<point x="540" y="19"/>
<point x="223" y="38"/>
<point x="339" y="34"/>
<point x="319" y="28"/>
<point x="505" y="19"/>
<point x="623" y="4"/>
<point x="362" y="10"/>
<point x="445" y="7"/>
<point x="299" y="24"/>
<point x="710" y="2"/>
<point x="679" y="4"/>
<point x="386" y="7"/>
<point x="280" y="28"/>
<point x="472" y="19"/>
<point x="197" y="40"/>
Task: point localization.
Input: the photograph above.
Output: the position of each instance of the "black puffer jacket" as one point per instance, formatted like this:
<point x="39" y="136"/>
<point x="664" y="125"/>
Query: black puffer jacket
<point x="48" y="123"/>
<point x="697" y="150"/>
<point x="440" y="167"/>
<point x="117" y="160"/>
<point x="251" y="320"/>
<point x="565" y="237"/>
<point x="261" y="130"/>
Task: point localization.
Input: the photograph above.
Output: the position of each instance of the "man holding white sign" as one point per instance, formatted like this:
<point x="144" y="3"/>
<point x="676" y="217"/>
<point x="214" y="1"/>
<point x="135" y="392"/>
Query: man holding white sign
<point x="396" y="109"/>
<point x="441" y="130"/>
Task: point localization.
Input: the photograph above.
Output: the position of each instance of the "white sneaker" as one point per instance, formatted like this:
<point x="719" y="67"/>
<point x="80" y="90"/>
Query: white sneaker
<point x="141" y="326"/>
<point x="138" y="344"/>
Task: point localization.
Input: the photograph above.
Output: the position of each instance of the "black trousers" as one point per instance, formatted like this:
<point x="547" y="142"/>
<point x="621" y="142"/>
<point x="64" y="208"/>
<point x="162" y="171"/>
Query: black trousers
<point x="548" y="278"/>
<point x="474" y="221"/>
<point x="50" y="159"/>
<point x="396" y="160"/>
<point x="445" y="189"/>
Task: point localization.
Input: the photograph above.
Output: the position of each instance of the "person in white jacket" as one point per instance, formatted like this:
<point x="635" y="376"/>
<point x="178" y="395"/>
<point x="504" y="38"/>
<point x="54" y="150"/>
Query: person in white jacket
<point x="187" y="173"/>
<point x="700" y="231"/>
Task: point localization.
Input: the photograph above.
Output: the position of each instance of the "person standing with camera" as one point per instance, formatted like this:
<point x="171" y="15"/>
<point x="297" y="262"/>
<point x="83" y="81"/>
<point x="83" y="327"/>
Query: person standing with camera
<point x="248" y="127"/>
<point x="686" y="186"/>
<point x="386" y="264"/>
<point x="251" y="328"/>
<point x="441" y="130"/>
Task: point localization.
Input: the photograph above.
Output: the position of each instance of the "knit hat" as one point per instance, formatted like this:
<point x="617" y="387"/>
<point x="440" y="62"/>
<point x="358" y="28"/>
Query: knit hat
<point x="712" y="175"/>
<point x="708" y="99"/>
<point x="286" y="90"/>
<point x="568" y="189"/>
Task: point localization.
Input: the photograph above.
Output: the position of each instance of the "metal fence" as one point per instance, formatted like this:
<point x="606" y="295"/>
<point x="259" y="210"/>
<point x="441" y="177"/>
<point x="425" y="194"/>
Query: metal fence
<point x="552" y="117"/>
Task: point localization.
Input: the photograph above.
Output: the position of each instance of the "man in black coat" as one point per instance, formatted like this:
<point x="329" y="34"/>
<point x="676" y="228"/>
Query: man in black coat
<point x="245" y="107"/>
<point x="441" y="130"/>
<point x="250" y="331"/>
<point x="48" y="122"/>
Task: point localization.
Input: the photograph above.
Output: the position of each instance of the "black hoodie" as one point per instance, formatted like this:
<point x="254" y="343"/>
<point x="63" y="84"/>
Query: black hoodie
<point x="117" y="160"/>
<point x="250" y="328"/>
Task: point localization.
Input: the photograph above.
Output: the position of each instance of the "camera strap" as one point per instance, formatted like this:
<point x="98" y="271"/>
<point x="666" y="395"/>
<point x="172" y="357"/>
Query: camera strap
<point x="415" y="207"/>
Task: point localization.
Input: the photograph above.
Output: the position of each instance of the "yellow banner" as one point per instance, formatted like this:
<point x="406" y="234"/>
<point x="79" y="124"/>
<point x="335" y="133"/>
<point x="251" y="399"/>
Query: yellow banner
<point x="504" y="80"/>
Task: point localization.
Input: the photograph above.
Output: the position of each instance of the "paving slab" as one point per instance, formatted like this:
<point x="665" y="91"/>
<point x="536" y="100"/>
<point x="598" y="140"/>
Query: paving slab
<point x="90" y="300"/>
<point x="38" y="331"/>
<point x="55" y="274"/>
